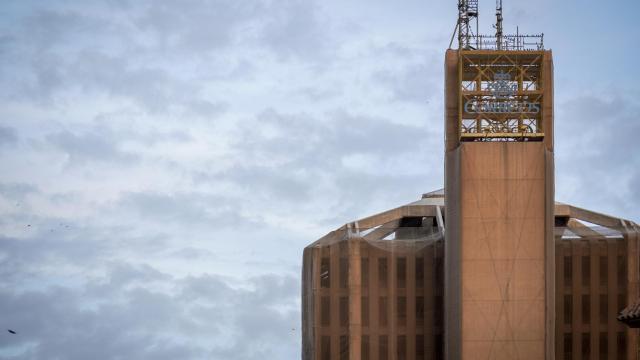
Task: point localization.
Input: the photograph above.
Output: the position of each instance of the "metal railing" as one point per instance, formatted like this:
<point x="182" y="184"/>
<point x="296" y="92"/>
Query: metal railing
<point x="507" y="42"/>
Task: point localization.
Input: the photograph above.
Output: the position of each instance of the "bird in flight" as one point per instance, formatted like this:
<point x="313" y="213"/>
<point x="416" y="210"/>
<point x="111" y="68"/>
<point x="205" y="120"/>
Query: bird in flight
<point x="11" y="331"/>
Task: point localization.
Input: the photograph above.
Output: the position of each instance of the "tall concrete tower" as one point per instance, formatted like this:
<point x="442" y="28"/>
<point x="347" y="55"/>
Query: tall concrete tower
<point x="499" y="252"/>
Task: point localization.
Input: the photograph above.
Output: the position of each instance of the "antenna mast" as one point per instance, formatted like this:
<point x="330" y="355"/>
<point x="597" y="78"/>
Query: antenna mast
<point x="467" y="12"/>
<point x="499" y="24"/>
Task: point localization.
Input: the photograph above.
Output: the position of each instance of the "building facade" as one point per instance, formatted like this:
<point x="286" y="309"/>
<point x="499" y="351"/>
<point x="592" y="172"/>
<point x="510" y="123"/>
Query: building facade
<point x="374" y="288"/>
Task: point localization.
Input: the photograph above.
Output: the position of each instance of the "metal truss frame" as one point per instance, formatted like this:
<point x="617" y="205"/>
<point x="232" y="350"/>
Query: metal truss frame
<point x="488" y="115"/>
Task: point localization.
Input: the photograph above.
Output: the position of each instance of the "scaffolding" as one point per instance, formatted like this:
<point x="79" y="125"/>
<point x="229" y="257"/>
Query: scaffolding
<point x="501" y="95"/>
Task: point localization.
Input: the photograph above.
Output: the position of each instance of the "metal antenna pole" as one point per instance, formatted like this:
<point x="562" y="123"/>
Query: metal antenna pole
<point x="499" y="24"/>
<point x="467" y="10"/>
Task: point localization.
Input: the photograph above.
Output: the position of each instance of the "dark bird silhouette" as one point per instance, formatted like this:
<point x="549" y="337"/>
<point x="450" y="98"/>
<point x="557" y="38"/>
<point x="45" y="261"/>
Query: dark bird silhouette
<point x="11" y="331"/>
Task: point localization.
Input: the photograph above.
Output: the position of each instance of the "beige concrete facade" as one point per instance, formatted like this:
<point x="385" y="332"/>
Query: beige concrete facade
<point x="502" y="245"/>
<point x="374" y="288"/>
<point x="499" y="248"/>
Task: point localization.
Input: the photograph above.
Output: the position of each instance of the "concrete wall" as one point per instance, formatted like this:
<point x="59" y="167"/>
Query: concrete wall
<point x="499" y="227"/>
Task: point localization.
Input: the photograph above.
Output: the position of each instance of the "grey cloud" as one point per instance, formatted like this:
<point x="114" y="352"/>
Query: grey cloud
<point x="8" y="136"/>
<point x="88" y="49"/>
<point x="51" y="245"/>
<point x="303" y="137"/>
<point x="184" y="209"/>
<point x="206" y="109"/>
<point x="85" y="146"/>
<point x="206" y="319"/>
<point x="296" y="29"/>
<point x="414" y="82"/>
<point x="153" y="88"/>
<point x="197" y="25"/>
<point x="193" y="253"/>
<point x="288" y="28"/>
<point x="595" y="151"/>
<point x="124" y="273"/>
<point x="40" y="243"/>
<point x="17" y="191"/>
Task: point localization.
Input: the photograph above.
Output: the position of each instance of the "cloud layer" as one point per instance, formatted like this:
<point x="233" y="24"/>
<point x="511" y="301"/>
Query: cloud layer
<point x="164" y="163"/>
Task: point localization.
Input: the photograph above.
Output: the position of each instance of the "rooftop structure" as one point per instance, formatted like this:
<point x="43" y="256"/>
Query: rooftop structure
<point x="468" y="39"/>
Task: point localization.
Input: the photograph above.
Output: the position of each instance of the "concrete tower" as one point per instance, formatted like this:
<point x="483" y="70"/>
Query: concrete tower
<point x="499" y="252"/>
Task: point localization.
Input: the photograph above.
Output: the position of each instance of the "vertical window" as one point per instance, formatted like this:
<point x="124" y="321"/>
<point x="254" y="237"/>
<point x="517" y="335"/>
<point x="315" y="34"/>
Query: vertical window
<point x="402" y="311"/>
<point x="325" y="311"/>
<point x="586" y="271"/>
<point x="438" y="312"/>
<point x="382" y="313"/>
<point x="622" y="301"/>
<point x="419" y="310"/>
<point x="586" y="309"/>
<point x="604" y="273"/>
<point x="401" y="267"/>
<point x="586" y="345"/>
<point x="420" y="347"/>
<point x="344" y="311"/>
<point x="325" y="348"/>
<point x="438" y="347"/>
<point x="364" y="348"/>
<point x="568" y="346"/>
<point x="419" y="272"/>
<point x="568" y="309"/>
<point x="344" y="272"/>
<point x="568" y="270"/>
<point x="383" y="347"/>
<point x="622" y="270"/>
<point x="439" y="272"/>
<point x="402" y="347"/>
<point x="603" y="345"/>
<point x="382" y="272"/>
<point x="324" y="272"/>
<point x="364" y="272"/>
<point x="344" y="347"/>
<point x="343" y="248"/>
<point x="365" y="311"/>
<point x="622" y="345"/>
<point x="604" y="308"/>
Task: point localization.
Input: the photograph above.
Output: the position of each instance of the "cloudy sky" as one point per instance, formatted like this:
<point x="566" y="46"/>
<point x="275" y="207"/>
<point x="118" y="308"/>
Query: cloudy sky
<point x="164" y="163"/>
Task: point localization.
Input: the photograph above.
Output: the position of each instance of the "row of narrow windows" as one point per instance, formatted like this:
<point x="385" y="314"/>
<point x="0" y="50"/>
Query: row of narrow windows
<point x="603" y="268"/>
<point x="401" y="271"/>
<point x="383" y="348"/>
<point x="382" y="271"/>
<point x="585" y="313"/>
<point x="585" y="347"/>
<point x="383" y="311"/>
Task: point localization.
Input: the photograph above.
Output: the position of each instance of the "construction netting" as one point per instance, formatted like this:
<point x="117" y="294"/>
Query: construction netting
<point x="375" y="291"/>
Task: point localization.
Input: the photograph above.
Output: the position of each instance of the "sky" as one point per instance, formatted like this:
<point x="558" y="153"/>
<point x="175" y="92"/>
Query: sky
<point x="164" y="163"/>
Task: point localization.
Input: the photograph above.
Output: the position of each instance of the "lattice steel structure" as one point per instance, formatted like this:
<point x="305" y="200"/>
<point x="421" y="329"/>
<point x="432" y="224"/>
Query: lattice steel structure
<point x="467" y="17"/>
<point x="502" y="95"/>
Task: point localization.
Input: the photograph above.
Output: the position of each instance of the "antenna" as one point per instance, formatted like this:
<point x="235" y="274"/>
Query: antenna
<point x="467" y="40"/>
<point x="499" y="24"/>
<point x="467" y="12"/>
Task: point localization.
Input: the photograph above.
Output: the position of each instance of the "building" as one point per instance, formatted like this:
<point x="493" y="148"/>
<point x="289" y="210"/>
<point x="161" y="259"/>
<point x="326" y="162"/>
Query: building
<point x="491" y="267"/>
<point x="393" y="307"/>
